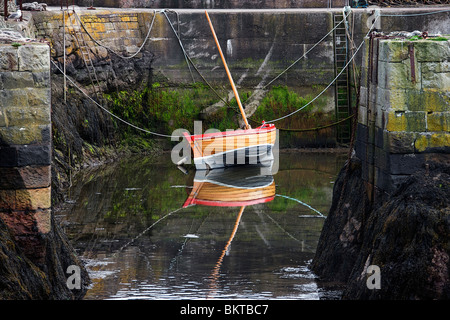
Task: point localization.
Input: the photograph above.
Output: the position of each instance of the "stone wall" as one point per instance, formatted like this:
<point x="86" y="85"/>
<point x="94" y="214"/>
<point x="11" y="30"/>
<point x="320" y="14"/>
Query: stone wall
<point x="404" y="114"/>
<point x="25" y="142"/>
<point x="258" y="45"/>
<point x="208" y="4"/>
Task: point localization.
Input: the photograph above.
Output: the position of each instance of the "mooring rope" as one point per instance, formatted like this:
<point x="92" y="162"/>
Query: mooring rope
<point x="332" y="82"/>
<point x="108" y="48"/>
<point x="302" y="203"/>
<point x="304" y="55"/>
<point x="109" y="112"/>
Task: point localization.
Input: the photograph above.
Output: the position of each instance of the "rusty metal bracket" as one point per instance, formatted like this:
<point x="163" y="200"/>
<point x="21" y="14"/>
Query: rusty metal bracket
<point x="412" y="62"/>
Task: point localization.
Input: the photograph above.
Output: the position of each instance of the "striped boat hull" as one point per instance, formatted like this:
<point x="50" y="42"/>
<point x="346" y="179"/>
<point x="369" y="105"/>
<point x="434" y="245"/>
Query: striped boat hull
<point x="231" y="148"/>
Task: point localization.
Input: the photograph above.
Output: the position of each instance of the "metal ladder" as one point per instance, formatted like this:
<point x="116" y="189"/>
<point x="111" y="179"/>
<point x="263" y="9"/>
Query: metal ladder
<point x="342" y="85"/>
<point x="85" y="52"/>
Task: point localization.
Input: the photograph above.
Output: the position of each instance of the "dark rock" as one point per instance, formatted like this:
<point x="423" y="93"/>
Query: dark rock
<point x="406" y="235"/>
<point x="340" y="240"/>
<point x="23" y="279"/>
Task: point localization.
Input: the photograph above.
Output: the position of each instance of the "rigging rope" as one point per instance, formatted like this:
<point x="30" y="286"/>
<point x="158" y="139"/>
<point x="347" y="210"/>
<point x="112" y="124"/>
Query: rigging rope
<point x="332" y="82"/>
<point x="304" y="55"/>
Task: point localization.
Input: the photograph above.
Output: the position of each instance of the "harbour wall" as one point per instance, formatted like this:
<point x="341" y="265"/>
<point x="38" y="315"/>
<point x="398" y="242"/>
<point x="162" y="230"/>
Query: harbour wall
<point x="25" y="138"/>
<point x="404" y="112"/>
<point x="390" y="202"/>
<point x="34" y="251"/>
<point x="259" y="45"/>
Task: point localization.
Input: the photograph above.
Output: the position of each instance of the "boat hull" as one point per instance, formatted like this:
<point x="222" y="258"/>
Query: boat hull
<point x="232" y="148"/>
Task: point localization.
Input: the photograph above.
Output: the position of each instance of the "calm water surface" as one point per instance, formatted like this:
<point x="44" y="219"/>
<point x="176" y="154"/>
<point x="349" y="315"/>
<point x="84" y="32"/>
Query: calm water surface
<point x="127" y="222"/>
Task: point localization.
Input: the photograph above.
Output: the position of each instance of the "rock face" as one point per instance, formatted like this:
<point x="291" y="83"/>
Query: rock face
<point x="407" y="237"/>
<point x="21" y="278"/>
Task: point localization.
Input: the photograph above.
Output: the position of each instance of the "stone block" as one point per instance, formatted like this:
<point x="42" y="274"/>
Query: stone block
<point x="43" y="220"/>
<point x="8" y="59"/>
<point x="33" y="199"/>
<point x="28" y="155"/>
<point x="42" y="79"/>
<point x="26" y="225"/>
<point x="379" y="137"/>
<point x="383" y="181"/>
<point x="381" y="160"/>
<point x="34" y="57"/>
<point x="395" y="100"/>
<point x="360" y="149"/>
<point x="432" y="51"/>
<point x="400" y="142"/>
<point x="440" y="80"/>
<point x="396" y="121"/>
<point x="411" y="121"/>
<point x="379" y="117"/>
<point x="25" y="177"/>
<point x="428" y="99"/>
<point x="363" y="98"/>
<point x="25" y="199"/>
<point x="398" y="75"/>
<point x="362" y="133"/>
<point x="39" y="97"/>
<point x="30" y="134"/>
<point x="362" y="115"/>
<point x="416" y="121"/>
<point x="438" y="121"/>
<point x="7" y="200"/>
<point x="435" y="67"/>
<point x="13" y="98"/>
<point x="23" y="116"/>
<point x="393" y="51"/>
<point x="436" y="100"/>
<point x="433" y="142"/>
<point x="17" y="80"/>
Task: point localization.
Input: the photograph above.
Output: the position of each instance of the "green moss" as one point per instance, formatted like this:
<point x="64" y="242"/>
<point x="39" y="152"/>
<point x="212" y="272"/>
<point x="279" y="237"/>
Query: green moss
<point x="279" y="102"/>
<point x="158" y="108"/>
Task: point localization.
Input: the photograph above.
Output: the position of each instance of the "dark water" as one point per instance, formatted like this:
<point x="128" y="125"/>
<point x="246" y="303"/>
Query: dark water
<point x="127" y="223"/>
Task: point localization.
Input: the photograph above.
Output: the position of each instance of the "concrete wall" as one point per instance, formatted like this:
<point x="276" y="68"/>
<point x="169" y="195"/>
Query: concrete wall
<point x="25" y="143"/>
<point x="404" y="115"/>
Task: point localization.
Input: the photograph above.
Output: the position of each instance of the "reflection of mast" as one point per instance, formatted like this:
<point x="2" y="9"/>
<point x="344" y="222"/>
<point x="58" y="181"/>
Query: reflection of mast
<point x="215" y="273"/>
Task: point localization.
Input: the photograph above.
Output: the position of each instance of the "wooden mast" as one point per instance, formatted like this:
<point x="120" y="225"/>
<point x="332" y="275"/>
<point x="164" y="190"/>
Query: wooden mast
<point x="247" y="126"/>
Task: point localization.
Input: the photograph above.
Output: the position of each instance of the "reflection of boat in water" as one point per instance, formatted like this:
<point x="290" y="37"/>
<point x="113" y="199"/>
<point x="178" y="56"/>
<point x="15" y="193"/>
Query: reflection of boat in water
<point x="233" y="186"/>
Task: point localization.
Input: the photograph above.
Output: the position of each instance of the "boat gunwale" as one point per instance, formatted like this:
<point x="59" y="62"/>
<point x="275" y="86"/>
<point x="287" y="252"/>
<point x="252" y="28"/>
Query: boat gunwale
<point x="238" y="132"/>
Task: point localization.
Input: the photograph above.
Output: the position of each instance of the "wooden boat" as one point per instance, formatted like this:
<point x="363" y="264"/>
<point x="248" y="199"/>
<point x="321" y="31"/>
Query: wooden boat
<point x="232" y="187"/>
<point x="230" y="148"/>
<point x="233" y="147"/>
